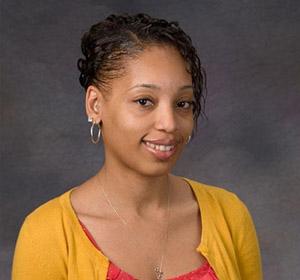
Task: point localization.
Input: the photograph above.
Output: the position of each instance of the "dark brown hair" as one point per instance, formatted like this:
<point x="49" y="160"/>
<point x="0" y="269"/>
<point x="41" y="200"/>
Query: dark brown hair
<point x="109" y="42"/>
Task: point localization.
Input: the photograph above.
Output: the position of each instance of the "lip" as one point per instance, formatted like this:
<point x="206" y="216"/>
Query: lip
<point x="161" y="142"/>
<point x="160" y="154"/>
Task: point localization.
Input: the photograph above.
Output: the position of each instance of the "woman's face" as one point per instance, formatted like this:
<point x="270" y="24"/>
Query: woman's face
<point x="151" y="102"/>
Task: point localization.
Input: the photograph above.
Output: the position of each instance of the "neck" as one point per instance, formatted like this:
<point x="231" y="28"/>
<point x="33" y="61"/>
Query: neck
<point x="134" y="192"/>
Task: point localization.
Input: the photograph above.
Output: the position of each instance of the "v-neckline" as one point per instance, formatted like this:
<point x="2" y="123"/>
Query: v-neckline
<point x="201" y="248"/>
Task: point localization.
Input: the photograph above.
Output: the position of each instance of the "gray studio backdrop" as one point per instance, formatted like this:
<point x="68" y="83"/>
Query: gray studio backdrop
<point x="249" y="145"/>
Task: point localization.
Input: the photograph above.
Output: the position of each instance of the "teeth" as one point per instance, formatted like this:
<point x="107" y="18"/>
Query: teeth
<point x="162" y="148"/>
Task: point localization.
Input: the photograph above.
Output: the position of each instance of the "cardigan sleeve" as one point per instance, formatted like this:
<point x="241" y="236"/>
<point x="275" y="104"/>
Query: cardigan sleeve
<point x="248" y="249"/>
<point x="38" y="253"/>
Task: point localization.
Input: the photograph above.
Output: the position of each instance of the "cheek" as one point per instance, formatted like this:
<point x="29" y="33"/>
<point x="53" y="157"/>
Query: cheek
<point x="185" y="126"/>
<point x="127" y="122"/>
<point x="126" y="126"/>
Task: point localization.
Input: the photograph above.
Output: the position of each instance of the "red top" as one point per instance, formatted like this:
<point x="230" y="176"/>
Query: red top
<point x="204" y="272"/>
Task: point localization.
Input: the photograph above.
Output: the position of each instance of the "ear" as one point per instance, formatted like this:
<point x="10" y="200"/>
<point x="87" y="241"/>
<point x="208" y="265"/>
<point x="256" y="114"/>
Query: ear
<point x="93" y="104"/>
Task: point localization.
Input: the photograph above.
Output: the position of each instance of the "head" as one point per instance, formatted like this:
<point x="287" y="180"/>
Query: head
<point x="130" y="57"/>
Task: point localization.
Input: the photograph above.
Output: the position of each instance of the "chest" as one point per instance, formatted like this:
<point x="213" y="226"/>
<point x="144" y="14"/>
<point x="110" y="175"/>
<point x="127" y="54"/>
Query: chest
<point x="138" y="247"/>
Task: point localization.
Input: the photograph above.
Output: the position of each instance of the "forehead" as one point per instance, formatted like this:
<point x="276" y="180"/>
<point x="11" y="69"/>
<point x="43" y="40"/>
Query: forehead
<point x="162" y="66"/>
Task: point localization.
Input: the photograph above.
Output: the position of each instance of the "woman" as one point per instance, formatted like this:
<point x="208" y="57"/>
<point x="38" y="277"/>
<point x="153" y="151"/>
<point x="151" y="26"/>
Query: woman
<point x="134" y="219"/>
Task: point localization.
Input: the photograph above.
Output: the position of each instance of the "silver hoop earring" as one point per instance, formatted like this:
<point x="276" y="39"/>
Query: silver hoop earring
<point x="95" y="141"/>
<point x="189" y="139"/>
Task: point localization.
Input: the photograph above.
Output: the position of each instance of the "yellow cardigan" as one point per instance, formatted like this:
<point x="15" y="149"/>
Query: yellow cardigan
<point x="52" y="245"/>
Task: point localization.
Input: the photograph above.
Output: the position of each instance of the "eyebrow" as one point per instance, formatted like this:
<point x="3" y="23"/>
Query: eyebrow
<point x="153" y="86"/>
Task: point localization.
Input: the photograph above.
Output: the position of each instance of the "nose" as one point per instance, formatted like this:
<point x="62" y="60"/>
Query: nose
<point x="166" y="119"/>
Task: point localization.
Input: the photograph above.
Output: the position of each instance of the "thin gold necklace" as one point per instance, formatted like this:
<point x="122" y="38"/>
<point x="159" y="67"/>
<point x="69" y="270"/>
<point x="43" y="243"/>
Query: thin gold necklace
<point x="158" y="269"/>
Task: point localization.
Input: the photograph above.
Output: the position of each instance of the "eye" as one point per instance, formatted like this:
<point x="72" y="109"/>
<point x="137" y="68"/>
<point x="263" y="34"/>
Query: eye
<point x="143" y="101"/>
<point x="186" y="104"/>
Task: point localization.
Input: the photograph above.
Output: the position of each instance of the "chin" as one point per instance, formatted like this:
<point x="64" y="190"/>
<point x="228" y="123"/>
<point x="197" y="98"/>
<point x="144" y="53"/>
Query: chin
<point x="155" y="169"/>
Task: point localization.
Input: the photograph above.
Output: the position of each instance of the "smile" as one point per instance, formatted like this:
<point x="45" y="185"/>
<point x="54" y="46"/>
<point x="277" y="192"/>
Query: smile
<point x="160" y="151"/>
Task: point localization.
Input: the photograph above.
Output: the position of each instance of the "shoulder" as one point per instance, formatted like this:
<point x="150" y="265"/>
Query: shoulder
<point x="41" y="248"/>
<point x="219" y="199"/>
<point x="224" y="209"/>
<point x="48" y="217"/>
<point x="49" y="209"/>
<point x="217" y="194"/>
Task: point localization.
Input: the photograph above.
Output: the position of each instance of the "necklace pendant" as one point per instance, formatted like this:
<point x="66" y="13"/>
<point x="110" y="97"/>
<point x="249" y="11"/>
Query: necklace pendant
<point x="159" y="273"/>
